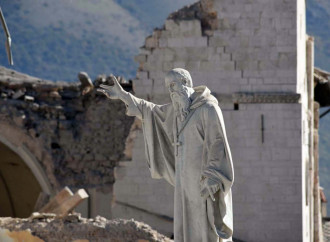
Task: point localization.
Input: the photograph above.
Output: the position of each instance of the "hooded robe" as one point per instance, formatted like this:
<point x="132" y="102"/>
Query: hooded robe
<point x="185" y="154"/>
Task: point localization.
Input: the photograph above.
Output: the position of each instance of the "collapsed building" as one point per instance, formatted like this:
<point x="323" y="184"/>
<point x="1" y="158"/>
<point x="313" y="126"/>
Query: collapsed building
<point x="53" y="136"/>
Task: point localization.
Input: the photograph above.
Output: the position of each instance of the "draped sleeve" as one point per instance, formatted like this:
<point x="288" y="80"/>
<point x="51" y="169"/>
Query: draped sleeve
<point x="157" y="123"/>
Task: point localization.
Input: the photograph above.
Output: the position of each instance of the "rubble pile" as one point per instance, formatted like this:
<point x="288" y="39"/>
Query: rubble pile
<point x="75" y="228"/>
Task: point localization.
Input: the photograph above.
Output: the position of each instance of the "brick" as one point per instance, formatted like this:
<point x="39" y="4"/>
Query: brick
<point x="179" y="40"/>
<point x="140" y="58"/>
<point x="171" y="24"/>
<point x="142" y="74"/>
<point x="190" y="28"/>
<point x="217" y="41"/>
<point x="179" y="64"/>
<point x="151" y="42"/>
<point x="162" y="42"/>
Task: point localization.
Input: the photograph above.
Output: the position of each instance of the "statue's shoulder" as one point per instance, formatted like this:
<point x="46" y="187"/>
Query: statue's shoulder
<point x="211" y="104"/>
<point x="211" y="109"/>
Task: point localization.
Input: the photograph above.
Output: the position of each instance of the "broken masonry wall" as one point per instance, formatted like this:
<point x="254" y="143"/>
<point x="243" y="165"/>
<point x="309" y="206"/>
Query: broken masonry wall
<point x="76" y="139"/>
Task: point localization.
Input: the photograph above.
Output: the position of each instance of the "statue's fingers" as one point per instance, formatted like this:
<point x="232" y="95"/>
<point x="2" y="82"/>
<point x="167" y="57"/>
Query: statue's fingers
<point x="105" y="87"/>
<point x="100" y="90"/>
<point x="114" y="79"/>
<point x="103" y="91"/>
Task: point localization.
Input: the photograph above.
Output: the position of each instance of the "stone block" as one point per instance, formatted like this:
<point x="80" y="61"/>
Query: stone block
<point x="286" y="22"/>
<point x="248" y="23"/>
<point x="146" y="82"/>
<point x="217" y="65"/>
<point x="190" y="28"/>
<point x="247" y="65"/>
<point x="142" y="75"/>
<point x="144" y="51"/>
<point x="170" y="24"/>
<point x="157" y="75"/>
<point x="140" y="89"/>
<point x="159" y="89"/>
<point x="167" y="66"/>
<point x="151" y="42"/>
<point x="286" y="73"/>
<point x="162" y="42"/>
<point x="168" y="54"/>
<point x="284" y="39"/>
<point x="179" y="64"/>
<point x="187" y="42"/>
<point x="220" y="49"/>
<point x="193" y="65"/>
<point x="254" y="81"/>
<point x="165" y="34"/>
<point x="140" y="58"/>
<point x="263" y="73"/>
<point x="152" y="65"/>
<point x="217" y="41"/>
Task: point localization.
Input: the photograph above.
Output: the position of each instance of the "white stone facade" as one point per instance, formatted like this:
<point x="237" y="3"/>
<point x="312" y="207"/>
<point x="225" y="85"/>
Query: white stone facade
<point x="253" y="47"/>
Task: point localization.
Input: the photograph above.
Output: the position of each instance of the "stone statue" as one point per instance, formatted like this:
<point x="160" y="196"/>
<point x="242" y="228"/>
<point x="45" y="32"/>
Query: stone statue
<point x="186" y="144"/>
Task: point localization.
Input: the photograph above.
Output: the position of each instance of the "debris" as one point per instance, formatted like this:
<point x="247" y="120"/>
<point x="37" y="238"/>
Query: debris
<point x="64" y="202"/>
<point x="28" y="98"/>
<point x="37" y="215"/>
<point x="86" y="83"/>
<point x="71" y="229"/>
<point x="55" y="95"/>
<point x="19" y="94"/>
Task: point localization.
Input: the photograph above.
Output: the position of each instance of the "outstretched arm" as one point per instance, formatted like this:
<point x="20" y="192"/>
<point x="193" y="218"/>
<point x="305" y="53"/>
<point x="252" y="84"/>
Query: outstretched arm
<point x="135" y="106"/>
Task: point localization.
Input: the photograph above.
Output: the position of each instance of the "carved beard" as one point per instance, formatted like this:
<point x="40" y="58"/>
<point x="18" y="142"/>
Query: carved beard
<point x="181" y="103"/>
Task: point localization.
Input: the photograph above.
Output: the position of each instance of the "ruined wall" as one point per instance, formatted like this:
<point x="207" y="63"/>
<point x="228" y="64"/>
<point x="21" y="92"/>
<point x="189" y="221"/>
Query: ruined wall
<point x="76" y="139"/>
<point x="246" y="52"/>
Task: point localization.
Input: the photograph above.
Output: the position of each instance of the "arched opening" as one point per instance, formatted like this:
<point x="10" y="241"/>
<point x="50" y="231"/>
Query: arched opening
<point x="19" y="188"/>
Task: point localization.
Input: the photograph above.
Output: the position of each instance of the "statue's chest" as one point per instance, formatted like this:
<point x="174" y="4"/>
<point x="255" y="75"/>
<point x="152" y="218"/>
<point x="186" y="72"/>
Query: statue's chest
<point x="188" y="134"/>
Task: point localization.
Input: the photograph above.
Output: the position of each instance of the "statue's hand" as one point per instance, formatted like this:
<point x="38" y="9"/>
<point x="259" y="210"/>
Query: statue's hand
<point x="112" y="92"/>
<point x="209" y="188"/>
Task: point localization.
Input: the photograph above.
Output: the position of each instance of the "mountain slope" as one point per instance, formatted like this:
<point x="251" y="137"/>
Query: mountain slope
<point x="318" y="25"/>
<point x="57" y="39"/>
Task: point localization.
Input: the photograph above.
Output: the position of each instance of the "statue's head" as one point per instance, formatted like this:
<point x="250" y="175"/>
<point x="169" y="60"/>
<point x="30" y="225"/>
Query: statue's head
<point x="179" y="83"/>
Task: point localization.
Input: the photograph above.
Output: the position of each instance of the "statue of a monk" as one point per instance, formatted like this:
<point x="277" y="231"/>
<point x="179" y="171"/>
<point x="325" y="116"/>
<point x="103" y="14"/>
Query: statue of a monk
<point x="186" y="144"/>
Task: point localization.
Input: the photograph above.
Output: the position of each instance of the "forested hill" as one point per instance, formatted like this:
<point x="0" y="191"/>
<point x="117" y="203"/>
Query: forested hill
<point x="318" y="25"/>
<point x="57" y="39"/>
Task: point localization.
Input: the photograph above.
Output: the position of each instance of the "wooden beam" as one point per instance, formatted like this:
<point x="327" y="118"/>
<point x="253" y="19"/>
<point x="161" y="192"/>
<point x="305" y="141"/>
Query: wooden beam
<point x="70" y="203"/>
<point x="64" y="194"/>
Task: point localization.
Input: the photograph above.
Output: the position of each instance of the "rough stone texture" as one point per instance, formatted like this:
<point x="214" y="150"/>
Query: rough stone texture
<point x="74" y="228"/>
<point x="77" y="139"/>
